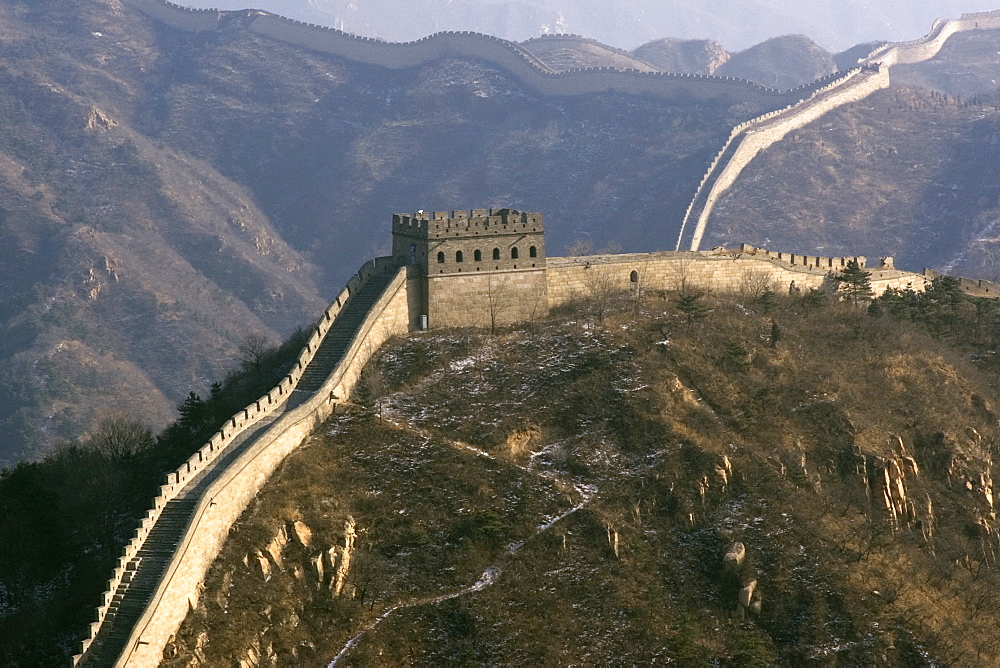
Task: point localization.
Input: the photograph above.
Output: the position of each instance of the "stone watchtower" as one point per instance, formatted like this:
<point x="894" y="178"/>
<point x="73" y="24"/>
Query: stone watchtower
<point x="473" y="268"/>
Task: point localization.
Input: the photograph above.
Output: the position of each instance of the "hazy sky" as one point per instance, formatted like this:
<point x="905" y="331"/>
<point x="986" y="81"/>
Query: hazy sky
<point x="737" y="24"/>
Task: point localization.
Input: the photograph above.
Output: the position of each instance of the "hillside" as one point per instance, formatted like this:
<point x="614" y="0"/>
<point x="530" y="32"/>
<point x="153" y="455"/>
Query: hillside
<point x="566" y="53"/>
<point x="567" y="492"/>
<point x="169" y="193"/>
<point x="967" y="66"/>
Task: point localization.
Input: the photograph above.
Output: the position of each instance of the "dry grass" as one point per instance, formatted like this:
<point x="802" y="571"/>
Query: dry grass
<point x="678" y="439"/>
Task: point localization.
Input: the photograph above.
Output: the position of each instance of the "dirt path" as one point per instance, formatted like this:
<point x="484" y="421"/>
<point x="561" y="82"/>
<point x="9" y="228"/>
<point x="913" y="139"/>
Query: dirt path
<point x="492" y="573"/>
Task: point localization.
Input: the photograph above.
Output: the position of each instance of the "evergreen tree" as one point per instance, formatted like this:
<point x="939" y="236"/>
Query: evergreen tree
<point x="856" y="283"/>
<point x="691" y="306"/>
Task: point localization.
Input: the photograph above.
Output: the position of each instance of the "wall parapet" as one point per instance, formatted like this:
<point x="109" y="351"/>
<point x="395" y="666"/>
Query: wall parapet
<point x="230" y="431"/>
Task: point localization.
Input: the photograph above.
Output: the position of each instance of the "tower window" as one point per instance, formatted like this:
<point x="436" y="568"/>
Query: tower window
<point x="532" y="252"/>
<point x="478" y="256"/>
<point x="513" y="253"/>
<point x="440" y="258"/>
<point x="458" y="256"/>
<point x="633" y="277"/>
<point x="496" y="253"/>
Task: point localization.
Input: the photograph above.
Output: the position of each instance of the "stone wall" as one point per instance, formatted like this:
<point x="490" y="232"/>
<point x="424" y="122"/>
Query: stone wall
<point x="750" y="138"/>
<point x="486" y="298"/>
<point x="925" y="48"/>
<point x="225" y="499"/>
<point x="734" y="271"/>
<point x="509" y="55"/>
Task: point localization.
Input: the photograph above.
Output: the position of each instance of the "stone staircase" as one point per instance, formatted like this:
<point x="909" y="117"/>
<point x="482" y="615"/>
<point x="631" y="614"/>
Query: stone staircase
<point x="144" y="572"/>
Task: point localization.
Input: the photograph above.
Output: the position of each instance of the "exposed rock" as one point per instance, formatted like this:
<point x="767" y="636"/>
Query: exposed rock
<point x="518" y="441"/>
<point x="302" y="533"/>
<point x="346" y="552"/>
<point x="317" y="564"/>
<point x="746" y="594"/>
<point x="98" y="120"/>
<point x="265" y="565"/>
<point x="733" y="559"/>
<point x="613" y="539"/>
<point x="277" y="544"/>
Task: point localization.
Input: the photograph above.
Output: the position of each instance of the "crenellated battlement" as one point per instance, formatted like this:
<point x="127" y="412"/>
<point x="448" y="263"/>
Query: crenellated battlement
<point x="813" y="261"/>
<point x="441" y="224"/>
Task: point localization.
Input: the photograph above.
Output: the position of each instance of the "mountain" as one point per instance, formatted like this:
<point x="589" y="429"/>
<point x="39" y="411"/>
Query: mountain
<point x="694" y="56"/>
<point x="641" y="489"/>
<point x="169" y="192"/>
<point x="780" y="62"/>
<point x="166" y="193"/>
<point x="629" y="23"/>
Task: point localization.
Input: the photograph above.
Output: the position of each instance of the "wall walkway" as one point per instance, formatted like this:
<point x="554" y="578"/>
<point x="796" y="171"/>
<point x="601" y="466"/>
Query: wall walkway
<point x="750" y="138"/>
<point x="158" y="576"/>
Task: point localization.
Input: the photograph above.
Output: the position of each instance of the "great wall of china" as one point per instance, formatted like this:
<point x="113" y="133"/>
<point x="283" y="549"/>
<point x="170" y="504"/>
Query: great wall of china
<point x="751" y="137"/>
<point x="508" y="55"/>
<point x="158" y="577"/>
<point x="157" y="580"/>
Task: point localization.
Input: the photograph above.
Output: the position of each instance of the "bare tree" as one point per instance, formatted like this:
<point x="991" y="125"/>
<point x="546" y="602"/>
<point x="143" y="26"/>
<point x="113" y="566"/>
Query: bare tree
<point x="755" y="281"/>
<point x="580" y="247"/>
<point x="253" y="348"/>
<point x="637" y="283"/>
<point x="601" y="284"/>
<point x="499" y="299"/>
<point x="682" y="277"/>
<point x="119" y="436"/>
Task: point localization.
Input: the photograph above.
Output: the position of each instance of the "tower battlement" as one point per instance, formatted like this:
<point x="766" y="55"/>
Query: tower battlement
<point x="439" y="224"/>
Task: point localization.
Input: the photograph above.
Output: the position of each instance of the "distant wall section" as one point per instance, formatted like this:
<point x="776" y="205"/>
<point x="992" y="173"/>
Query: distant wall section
<point x="925" y="48"/>
<point x="750" y="138"/>
<point x="511" y="56"/>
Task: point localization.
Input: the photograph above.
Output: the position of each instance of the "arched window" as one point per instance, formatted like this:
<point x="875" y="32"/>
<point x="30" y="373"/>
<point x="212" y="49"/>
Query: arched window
<point x="633" y="277"/>
<point x="478" y="256"/>
<point x="440" y="258"/>
<point x="513" y="253"/>
<point x="496" y="253"/>
<point x="532" y="252"/>
<point x="458" y="256"/>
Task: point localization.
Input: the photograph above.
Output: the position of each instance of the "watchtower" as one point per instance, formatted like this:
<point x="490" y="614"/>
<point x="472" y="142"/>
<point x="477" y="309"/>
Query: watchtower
<point x="478" y="268"/>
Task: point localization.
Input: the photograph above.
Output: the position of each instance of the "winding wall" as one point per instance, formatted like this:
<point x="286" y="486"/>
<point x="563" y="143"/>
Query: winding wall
<point x="510" y="56"/>
<point x="750" y="138"/>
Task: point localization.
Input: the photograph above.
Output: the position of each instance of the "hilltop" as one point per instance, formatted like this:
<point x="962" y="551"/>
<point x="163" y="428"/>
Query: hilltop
<point x="567" y="491"/>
